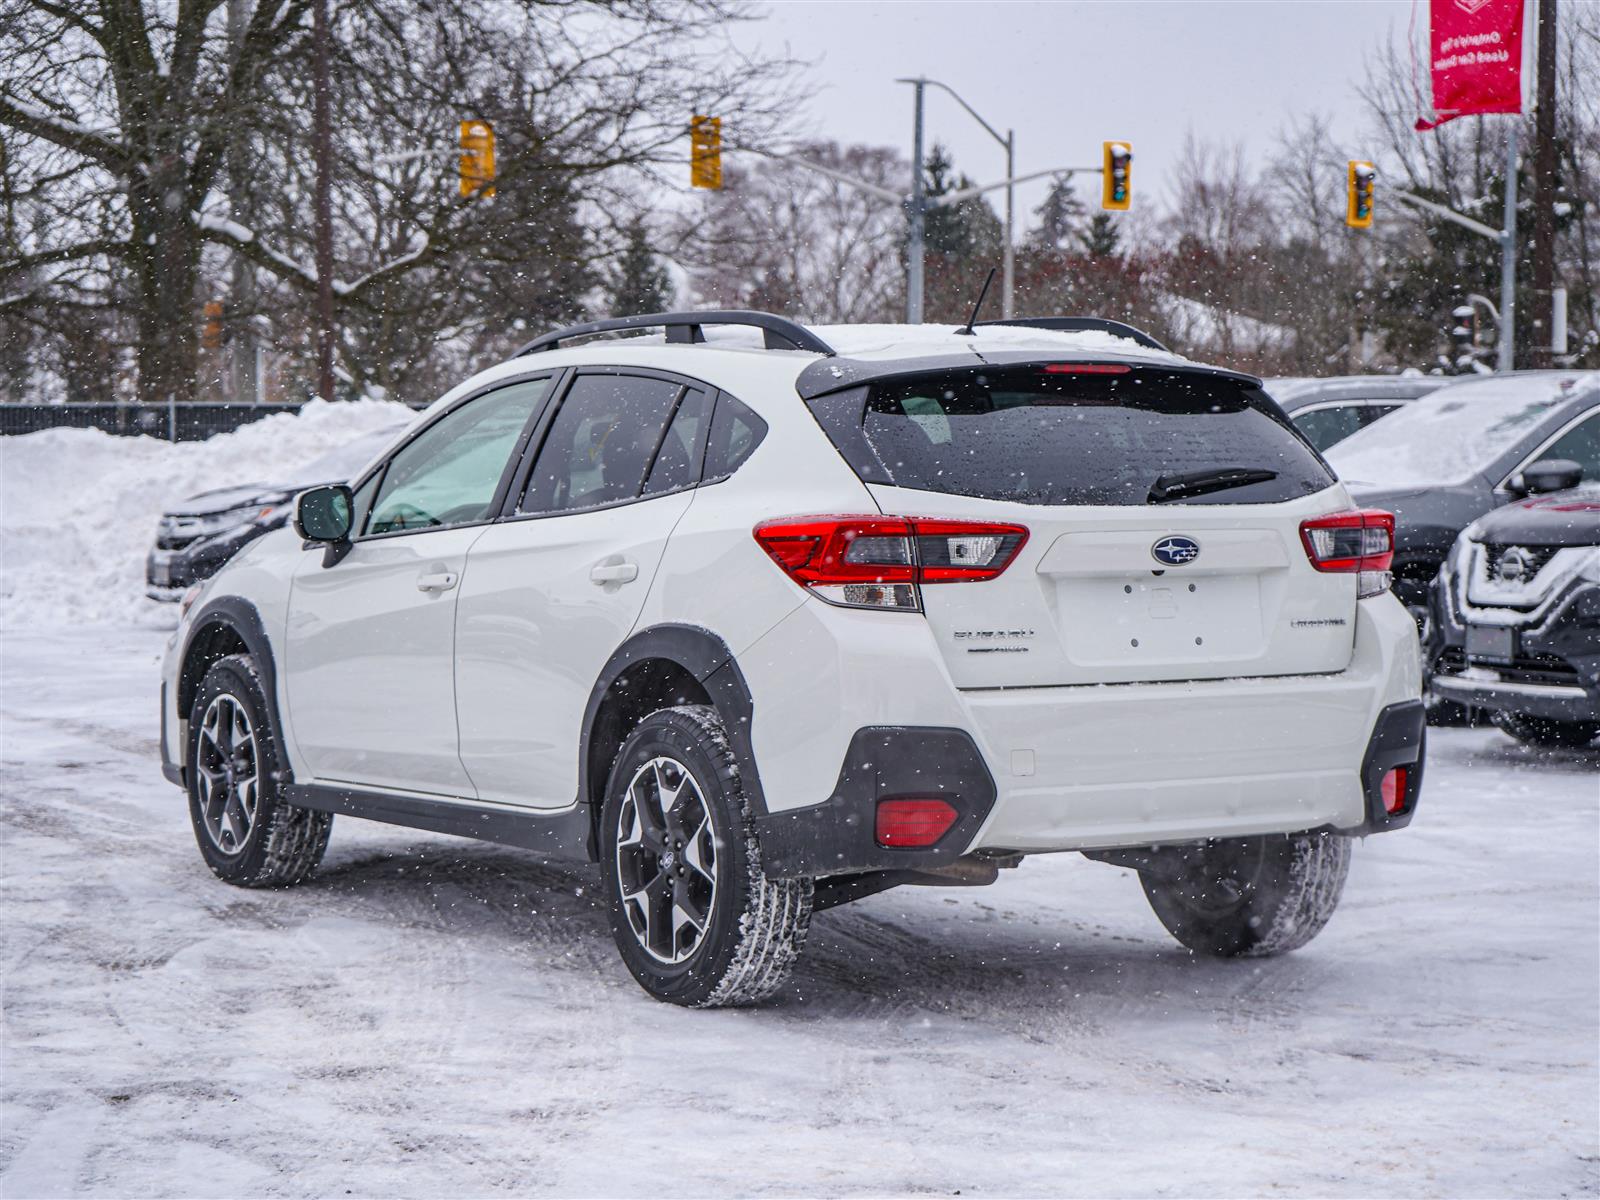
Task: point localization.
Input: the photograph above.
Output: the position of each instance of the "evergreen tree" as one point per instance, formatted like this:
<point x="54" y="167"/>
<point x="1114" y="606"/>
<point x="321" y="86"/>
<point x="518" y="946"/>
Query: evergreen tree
<point x="640" y="283"/>
<point x="964" y="230"/>
<point x="1060" y="216"/>
<point x="1102" y="239"/>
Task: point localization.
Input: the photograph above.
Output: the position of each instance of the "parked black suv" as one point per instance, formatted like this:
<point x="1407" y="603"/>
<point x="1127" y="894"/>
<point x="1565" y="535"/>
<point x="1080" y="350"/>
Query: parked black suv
<point x="1446" y="459"/>
<point x="1515" y="614"/>
<point x="197" y="535"/>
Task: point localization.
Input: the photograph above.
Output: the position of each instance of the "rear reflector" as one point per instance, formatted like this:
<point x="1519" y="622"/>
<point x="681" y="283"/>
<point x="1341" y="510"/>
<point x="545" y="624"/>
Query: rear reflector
<point x="1357" y="543"/>
<point x="1086" y="369"/>
<point x="1393" y="790"/>
<point x="913" y="823"/>
<point x="880" y="562"/>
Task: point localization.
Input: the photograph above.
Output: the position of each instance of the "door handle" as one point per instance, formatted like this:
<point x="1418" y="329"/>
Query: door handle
<point x="617" y="572"/>
<point x="438" y="581"/>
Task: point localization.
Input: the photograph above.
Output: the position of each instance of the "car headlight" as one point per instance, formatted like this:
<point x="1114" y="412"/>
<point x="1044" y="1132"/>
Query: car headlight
<point x="260" y="511"/>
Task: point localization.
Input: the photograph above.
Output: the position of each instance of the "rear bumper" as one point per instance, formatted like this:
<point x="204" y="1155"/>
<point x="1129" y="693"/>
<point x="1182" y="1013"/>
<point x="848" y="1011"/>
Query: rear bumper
<point x="1076" y="768"/>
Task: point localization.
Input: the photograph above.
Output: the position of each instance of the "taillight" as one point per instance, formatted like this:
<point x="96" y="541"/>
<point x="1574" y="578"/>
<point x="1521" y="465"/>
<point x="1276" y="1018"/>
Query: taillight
<point x="912" y="823"/>
<point x="880" y="562"/>
<point x="1359" y="543"/>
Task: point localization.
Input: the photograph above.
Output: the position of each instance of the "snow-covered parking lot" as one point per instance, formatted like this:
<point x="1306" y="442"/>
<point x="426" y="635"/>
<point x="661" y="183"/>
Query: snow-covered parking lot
<point x="432" y="1017"/>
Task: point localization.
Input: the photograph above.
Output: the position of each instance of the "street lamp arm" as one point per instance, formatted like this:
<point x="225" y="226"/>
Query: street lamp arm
<point x="972" y="112"/>
<point x="1450" y="214"/>
<point x="849" y="180"/>
<point x="961" y="194"/>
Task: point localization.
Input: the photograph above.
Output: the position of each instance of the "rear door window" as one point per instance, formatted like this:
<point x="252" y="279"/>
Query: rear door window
<point x="602" y="442"/>
<point x="1033" y="435"/>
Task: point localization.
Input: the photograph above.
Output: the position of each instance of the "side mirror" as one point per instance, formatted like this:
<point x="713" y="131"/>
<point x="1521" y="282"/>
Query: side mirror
<point x="324" y="514"/>
<point x="1551" y="475"/>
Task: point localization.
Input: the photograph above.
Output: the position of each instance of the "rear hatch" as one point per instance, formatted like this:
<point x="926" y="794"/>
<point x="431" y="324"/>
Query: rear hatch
<point x="1163" y="507"/>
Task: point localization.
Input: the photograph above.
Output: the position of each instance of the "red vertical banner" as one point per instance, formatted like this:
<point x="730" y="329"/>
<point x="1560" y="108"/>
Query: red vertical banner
<point x="1474" y="58"/>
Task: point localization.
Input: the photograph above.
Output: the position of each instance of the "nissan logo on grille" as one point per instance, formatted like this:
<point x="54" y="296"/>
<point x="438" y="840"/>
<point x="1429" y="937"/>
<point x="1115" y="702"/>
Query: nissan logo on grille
<point x="1175" y="550"/>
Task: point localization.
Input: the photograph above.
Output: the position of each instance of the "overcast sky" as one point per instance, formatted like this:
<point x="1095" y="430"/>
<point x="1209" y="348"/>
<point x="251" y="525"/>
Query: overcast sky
<point x="1067" y="75"/>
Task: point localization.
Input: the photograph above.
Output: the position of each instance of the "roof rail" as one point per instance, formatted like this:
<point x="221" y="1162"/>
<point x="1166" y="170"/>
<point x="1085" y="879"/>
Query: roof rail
<point x="780" y="333"/>
<point x="1081" y="324"/>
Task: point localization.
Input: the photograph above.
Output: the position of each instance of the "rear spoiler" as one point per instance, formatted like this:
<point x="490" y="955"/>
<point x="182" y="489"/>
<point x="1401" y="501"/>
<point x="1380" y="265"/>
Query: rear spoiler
<point x="840" y="374"/>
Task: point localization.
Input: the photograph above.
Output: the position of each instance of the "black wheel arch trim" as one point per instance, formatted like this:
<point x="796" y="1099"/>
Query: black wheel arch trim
<point x="710" y="660"/>
<point x="241" y="618"/>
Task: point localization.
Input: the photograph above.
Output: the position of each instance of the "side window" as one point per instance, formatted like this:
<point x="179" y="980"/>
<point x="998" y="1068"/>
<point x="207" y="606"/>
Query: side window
<point x="1326" y="426"/>
<point x="449" y="473"/>
<point x="601" y="443"/>
<point x="1374" y="412"/>
<point x="735" y="433"/>
<point x="1581" y="444"/>
<point x="677" y="462"/>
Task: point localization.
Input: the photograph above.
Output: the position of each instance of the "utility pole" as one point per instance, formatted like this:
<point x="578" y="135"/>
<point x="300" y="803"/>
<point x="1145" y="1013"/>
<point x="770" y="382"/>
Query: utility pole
<point x="1508" y="256"/>
<point x="244" y="383"/>
<point x="918" y="217"/>
<point x="1544" y="188"/>
<point x="322" y="150"/>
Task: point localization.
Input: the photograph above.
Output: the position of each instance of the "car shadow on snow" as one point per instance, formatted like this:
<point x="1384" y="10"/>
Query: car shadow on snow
<point x="911" y="949"/>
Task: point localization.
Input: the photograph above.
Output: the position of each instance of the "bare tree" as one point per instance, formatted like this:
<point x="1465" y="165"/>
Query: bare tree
<point x="126" y="110"/>
<point x="780" y="236"/>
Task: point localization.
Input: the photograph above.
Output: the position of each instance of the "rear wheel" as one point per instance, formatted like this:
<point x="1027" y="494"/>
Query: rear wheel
<point x="1538" y="731"/>
<point x="1255" y="895"/>
<point x="247" y="833"/>
<point x="696" y="920"/>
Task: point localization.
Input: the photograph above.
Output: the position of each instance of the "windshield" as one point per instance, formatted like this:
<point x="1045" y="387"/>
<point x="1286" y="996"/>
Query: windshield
<point x="1452" y="435"/>
<point x="1056" y="434"/>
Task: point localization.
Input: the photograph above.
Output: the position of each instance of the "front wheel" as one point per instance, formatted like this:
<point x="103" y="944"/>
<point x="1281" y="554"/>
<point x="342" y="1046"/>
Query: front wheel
<point x="247" y="832"/>
<point x="1255" y="895"/>
<point x="696" y="920"/>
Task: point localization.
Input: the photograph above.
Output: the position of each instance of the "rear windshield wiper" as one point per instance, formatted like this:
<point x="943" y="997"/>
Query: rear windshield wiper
<point x="1197" y="483"/>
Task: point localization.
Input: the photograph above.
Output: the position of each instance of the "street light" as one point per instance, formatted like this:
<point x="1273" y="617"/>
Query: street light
<point x="919" y="212"/>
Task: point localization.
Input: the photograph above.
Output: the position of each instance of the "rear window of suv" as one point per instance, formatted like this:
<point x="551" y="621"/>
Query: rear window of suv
<point x="1034" y="435"/>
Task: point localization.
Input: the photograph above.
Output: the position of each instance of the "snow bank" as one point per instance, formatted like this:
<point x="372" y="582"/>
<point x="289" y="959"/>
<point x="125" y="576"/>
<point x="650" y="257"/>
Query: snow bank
<point x="78" y="508"/>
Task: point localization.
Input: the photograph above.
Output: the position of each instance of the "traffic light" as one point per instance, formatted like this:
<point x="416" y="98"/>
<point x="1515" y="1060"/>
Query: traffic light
<point x="705" y="152"/>
<point x="1358" y="207"/>
<point x="1117" y="176"/>
<point x="1464" y="334"/>
<point x="211" y="327"/>
<point x="477" y="158"/>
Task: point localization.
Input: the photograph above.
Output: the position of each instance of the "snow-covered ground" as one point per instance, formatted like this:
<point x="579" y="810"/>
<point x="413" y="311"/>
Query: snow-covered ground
<point x="439" y="1017"/>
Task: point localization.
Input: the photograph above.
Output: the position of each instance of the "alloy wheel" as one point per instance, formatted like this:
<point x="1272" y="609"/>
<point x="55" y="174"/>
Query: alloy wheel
<point x="227" y="780"/>
<point x="666" y="860"/>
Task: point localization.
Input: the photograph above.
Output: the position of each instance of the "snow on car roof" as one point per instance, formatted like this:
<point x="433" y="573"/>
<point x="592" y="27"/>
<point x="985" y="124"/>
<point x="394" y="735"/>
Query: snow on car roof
<point x="1457" y="431"/>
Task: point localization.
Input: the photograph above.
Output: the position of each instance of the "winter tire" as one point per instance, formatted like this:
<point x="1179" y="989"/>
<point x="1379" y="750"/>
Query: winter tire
<point x="247" y="833"/>
<point x="1255" y="895"/>
<point x="695" y="918"/>
<point x="1538" y="731"/>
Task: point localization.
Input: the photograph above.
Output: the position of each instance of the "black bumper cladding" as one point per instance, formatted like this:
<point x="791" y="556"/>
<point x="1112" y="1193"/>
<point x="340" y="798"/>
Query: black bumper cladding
<point x="1399" y="739"/>
<point x="838" y="836"/>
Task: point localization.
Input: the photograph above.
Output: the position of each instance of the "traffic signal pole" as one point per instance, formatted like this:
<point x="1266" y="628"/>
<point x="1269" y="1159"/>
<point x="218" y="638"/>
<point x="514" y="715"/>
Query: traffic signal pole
<point x="1508" y="257"/>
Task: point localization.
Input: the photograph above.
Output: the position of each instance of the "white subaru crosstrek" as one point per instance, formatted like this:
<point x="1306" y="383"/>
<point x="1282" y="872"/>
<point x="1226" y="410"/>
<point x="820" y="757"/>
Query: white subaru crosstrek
<point x="769" y="622"/>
